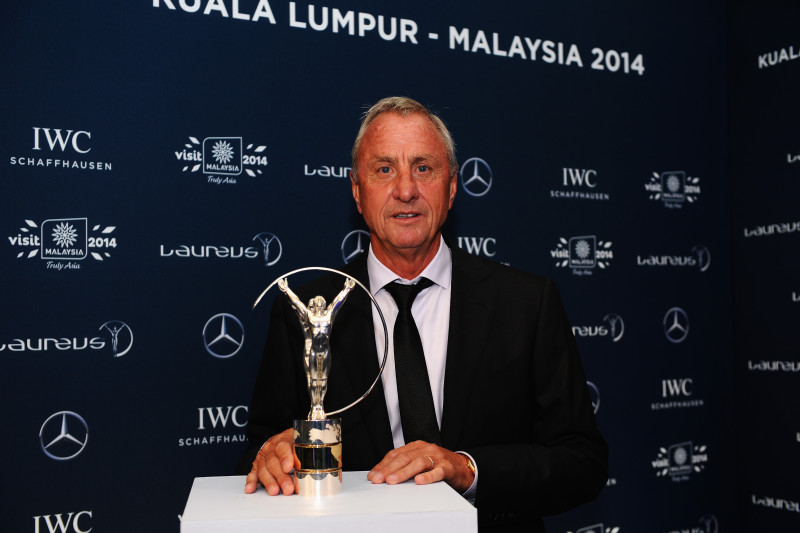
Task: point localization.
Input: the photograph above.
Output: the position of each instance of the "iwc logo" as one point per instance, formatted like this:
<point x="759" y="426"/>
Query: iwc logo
<point x="218" y="425"/>
<point x="63" y="435"/>
<point x="673" y="188"/>
<point x="679" y="461"/>
<point x="578" y="183"/>
<point x="61" y="149"/>
<point x="582" y="254"/>
<point x="221" y="159"/>
<point x="64" y="242"/>
<point x="223" y="335"/>
<point x="80" y="522"/>
<point x="354" y="244"/>
<point x="476" y="176"/>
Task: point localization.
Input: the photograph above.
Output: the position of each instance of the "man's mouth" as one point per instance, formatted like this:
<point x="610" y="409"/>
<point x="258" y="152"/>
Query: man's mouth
<point x="406" y="215"/>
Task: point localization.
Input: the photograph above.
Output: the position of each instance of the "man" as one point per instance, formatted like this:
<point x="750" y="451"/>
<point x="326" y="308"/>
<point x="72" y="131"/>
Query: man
<point x="516" y="432"/>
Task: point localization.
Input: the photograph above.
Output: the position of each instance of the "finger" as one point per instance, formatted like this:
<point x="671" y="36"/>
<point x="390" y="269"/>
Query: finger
<point x="285" y="453"/>
<point x="251" y="482"/>
<point x="377" y="475"/>
<point x="410" y="469"/>
<point x="267" y="479"/>
<point x="391" y="462"/>
<point x="277" y="476"/>
<point x="431" y="476"/>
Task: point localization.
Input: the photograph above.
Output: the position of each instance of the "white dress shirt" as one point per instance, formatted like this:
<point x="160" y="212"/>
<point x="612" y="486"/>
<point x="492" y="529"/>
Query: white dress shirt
<point x="431" y="312"/>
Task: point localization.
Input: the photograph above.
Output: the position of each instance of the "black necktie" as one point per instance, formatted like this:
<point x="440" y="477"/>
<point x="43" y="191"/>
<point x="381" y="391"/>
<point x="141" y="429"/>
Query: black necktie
<point x="417" y="413"/>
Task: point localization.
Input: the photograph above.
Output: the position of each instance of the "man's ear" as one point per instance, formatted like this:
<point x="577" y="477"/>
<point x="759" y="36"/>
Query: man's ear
<point x="356" y="191"/>
<point x="453" y="187"/>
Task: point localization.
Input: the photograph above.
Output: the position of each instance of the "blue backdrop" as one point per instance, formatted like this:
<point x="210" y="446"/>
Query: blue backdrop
<point x="165" y="160"/>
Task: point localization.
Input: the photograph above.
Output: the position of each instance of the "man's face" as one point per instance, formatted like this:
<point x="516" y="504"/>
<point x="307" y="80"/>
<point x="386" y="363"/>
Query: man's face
<point x="405" y="184"/>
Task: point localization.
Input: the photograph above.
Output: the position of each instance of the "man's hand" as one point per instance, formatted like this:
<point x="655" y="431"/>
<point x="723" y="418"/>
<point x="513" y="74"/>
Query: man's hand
<point x="273" y="466"/>
<point x="426" y="463"/>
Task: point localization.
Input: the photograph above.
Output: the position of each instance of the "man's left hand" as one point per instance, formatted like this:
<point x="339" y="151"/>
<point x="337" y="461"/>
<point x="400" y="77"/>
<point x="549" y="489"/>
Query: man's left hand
<point x="426" y="463"/>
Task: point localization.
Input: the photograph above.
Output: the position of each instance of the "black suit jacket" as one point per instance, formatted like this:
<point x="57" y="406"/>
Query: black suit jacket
<point x="515" y="395"/>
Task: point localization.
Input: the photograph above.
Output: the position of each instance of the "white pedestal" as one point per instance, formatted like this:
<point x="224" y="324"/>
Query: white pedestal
<point x="219" y="505"/>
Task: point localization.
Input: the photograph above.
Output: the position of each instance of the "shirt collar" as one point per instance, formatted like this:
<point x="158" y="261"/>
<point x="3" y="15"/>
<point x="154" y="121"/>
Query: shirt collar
<point x="439" y="270"/>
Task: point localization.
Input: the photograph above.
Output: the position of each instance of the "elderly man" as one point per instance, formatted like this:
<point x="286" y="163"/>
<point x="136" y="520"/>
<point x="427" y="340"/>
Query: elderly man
<point x="499" y="411"/>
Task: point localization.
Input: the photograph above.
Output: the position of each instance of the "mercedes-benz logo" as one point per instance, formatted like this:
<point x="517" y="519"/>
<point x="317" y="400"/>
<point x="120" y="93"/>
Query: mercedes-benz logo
<point x="121" y="337"/>
<point x="594" y="394"/>
<point x="63" y="435"/>
<point x="223" y="335"/>
<point x="273" y="250"/>
<point x="616" y="324"/>
<point x="703" y="257"/>
<point x="476" y="176"/>
<point x="354" y="244"/>
<point x="676" y="325"/>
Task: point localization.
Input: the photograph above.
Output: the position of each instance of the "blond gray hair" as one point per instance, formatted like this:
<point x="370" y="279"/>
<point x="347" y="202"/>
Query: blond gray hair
<point x="403" y="106"/>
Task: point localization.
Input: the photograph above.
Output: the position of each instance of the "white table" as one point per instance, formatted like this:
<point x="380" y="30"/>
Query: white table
<point x="219" y="505"/>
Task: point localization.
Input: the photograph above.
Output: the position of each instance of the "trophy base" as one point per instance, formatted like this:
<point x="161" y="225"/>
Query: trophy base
<point x="318" y="457"/>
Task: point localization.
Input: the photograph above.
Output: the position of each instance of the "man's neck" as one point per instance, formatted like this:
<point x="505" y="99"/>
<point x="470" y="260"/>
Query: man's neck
<point x="408" y="264"/>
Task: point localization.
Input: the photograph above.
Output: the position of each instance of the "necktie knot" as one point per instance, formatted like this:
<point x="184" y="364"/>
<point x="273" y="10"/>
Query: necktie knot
<point x="404" y="295"/>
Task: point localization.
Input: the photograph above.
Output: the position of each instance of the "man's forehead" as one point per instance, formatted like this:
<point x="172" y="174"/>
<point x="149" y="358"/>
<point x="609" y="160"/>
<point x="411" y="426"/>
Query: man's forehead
<point x="414" y="135"/>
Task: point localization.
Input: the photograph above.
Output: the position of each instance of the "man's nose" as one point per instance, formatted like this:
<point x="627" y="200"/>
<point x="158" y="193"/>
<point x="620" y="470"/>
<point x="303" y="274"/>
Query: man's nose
<point x="406" y="187"/>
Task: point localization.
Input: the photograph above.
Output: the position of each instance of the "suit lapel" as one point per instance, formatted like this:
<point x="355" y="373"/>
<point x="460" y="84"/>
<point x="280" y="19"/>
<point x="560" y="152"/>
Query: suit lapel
<point x="471" y="308"/>
<point x="361" y="358"/>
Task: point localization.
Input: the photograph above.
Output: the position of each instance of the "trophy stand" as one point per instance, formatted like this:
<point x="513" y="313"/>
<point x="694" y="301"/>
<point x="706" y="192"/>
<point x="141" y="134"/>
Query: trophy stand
<point x="318" y="439"/>
<point x="318" y="452"/>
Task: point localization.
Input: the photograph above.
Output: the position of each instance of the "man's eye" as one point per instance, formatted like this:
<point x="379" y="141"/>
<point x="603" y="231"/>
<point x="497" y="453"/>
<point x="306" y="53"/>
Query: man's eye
<point x="423" y="168"/>
<point x="384" y="170"/>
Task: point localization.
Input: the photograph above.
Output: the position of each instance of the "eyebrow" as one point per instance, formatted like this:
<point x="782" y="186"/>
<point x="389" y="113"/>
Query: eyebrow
<point x="414" y="159"/>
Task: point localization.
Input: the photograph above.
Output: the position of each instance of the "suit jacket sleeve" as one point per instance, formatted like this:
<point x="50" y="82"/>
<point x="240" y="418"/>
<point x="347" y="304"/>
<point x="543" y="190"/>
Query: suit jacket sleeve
<point x="277" y="396"/>
<point x="529" y="421"/>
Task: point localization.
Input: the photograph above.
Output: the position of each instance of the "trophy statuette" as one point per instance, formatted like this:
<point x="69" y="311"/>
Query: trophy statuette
<point x="318" y="438"/>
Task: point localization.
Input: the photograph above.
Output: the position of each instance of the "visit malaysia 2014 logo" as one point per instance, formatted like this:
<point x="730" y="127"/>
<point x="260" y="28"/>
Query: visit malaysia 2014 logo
<point x="64" y="242"/>
<point x="222" y="159"/>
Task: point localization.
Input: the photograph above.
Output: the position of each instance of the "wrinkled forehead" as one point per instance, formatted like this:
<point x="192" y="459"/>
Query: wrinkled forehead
<point x="411" y="137"/>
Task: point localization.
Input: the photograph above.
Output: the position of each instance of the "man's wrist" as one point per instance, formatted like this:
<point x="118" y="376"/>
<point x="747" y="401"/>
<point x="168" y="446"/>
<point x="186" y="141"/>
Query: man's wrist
<point x="472" y="468"/>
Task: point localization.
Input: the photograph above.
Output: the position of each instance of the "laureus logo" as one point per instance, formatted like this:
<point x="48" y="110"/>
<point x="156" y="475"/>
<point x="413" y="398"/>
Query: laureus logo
<point x="121" y="337"/>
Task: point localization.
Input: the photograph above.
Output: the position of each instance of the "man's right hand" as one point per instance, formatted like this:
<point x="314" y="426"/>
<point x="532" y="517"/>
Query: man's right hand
<point x="273" y="466"/>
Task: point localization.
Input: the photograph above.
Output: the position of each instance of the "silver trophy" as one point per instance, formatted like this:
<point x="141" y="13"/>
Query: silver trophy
<point x="318" y="439"/>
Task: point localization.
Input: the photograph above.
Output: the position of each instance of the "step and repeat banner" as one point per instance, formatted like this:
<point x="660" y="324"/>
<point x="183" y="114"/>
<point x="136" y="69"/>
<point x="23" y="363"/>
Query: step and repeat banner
<point x="764" y="55"/>
<point x="163" y="161"/>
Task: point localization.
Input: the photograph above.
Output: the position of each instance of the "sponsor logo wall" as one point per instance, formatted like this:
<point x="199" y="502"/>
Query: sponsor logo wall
<point x="765" y="238"/>
<point x="156" y="186"/>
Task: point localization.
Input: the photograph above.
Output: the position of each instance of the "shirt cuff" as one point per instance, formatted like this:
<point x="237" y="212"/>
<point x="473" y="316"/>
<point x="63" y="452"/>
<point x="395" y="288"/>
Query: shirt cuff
<point x="469" y="494"/>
